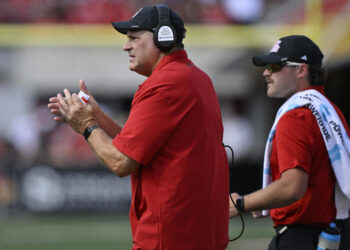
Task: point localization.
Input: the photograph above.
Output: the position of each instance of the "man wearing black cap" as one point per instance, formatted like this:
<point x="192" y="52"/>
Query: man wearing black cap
<point x="307" y="155"/>
<point x="171" y="144"/>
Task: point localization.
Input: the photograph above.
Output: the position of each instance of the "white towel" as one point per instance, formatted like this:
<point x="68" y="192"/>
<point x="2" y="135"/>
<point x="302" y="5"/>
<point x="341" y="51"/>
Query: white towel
<point x="335" y="137"/>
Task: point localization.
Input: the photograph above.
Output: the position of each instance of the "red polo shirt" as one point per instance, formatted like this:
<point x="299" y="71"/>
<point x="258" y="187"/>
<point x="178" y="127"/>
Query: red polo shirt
<point x="180" y="194"/>
<point x="298" y="143"/>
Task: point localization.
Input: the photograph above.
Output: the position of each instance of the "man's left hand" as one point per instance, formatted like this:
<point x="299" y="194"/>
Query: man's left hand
<point x="78" y="115"/>
<point x="233" y="211"/>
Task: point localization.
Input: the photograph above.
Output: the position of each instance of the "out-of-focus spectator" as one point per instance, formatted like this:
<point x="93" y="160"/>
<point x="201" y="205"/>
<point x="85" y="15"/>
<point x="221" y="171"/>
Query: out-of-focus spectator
<point x="51" y="11"/>
<point x="16" y="11"/>
<point x="65" y="149"/>
<point x="7" y="190"/>
<point x="211" y="11"/>
<point x="104" y="11"/>
<point x="8" y="158"/>
<point x="25" y="136"/>
<point x="244" y="12"/>
<point x="63" y="11"/>
<point x="8" y="154"/>
<point x="189" y="10"/>
<point x="238" y="130"/>
<point x="27" y="130"/>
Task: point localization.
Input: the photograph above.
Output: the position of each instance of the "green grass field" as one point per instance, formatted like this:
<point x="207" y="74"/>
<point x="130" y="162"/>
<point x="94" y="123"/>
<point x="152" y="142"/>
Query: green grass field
<point x="102" y="232"/>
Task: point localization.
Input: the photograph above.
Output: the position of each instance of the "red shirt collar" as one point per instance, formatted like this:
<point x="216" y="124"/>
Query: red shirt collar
<point x="177" y="55"/>
<point x="319" y="88"/>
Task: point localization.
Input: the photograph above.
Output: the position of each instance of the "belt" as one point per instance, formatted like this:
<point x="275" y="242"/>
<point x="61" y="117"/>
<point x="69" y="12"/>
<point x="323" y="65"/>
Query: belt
<point x="280" y="229"/>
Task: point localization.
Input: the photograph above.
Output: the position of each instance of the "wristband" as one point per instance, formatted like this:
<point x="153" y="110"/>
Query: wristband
<point x="88" y="131"/>
<point x="240" y="204"/>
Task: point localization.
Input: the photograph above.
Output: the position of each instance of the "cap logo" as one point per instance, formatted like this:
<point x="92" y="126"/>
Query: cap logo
<point x="136" y="13"/>
<point x="276" y="46"/>
<point x="165" y="34"/>
<point x="304" y="58"/>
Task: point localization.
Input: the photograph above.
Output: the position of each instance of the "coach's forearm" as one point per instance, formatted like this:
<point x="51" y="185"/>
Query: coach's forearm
<point x="108" y="124"/>
<point x="115" y="160"/>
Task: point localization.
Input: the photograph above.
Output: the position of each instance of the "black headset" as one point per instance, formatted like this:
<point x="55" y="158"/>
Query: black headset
<point x="164" y="34"/>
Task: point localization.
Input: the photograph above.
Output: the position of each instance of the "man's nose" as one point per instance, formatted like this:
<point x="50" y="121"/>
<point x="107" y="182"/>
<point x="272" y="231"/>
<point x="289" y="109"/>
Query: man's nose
<point x="127" y="45"/>
<point x="266" y="72"/>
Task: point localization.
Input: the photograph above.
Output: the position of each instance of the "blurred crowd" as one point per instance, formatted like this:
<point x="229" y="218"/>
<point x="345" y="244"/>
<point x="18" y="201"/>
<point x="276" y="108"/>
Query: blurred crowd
<point x="192" y="11"/>
<point x="40" y="160"/>
<point x="104" y="11"/>
<point x="35" y="138"/>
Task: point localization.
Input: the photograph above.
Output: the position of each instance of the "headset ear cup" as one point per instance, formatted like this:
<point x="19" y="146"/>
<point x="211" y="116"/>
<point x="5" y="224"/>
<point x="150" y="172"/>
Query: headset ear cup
<point x="164" y="38"/>
<point x="164" y="34"/>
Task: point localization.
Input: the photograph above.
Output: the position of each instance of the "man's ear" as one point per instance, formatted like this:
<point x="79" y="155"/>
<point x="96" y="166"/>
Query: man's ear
<point x="302" y="71"/>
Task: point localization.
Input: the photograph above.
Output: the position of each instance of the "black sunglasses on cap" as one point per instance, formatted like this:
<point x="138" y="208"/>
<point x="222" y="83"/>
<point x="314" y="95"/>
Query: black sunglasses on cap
<point x="277" y="67"/>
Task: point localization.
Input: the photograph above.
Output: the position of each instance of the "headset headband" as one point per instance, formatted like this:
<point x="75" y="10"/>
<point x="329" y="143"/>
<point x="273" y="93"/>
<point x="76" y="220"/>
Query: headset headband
<point x="164" y="33"/>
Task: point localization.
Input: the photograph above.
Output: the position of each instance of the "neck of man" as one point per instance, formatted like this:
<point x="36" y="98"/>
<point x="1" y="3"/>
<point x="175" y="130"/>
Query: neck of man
<point x="163" y="54"/>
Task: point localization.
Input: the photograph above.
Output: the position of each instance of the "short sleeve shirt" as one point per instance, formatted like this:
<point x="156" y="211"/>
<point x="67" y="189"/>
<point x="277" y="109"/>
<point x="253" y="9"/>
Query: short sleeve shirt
<point x="298" y="143"/>
<point x="174" y="130"/>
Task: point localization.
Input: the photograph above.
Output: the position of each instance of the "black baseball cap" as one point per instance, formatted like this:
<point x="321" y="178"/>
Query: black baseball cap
<point x="295" y="48"/>
<point x="147" y="18"/>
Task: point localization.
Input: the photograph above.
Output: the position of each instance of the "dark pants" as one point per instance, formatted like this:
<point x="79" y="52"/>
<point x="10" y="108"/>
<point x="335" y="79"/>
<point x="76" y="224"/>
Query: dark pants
<point x="344" y="226"/>
<point x="295" y="237"/>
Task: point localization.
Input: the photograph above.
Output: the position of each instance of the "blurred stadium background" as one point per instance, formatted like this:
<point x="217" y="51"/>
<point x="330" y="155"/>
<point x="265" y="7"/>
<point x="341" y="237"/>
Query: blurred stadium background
<point x="53" y="193"/>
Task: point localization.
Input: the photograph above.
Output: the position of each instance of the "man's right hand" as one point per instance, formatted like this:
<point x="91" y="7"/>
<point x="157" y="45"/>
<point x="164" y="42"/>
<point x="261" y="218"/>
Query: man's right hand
<point x="53" y="104"/>
<point x="258" y="214"/>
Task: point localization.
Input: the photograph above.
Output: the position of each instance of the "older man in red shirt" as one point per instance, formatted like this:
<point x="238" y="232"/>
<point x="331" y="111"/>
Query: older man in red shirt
<point x="171" y="144"/>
